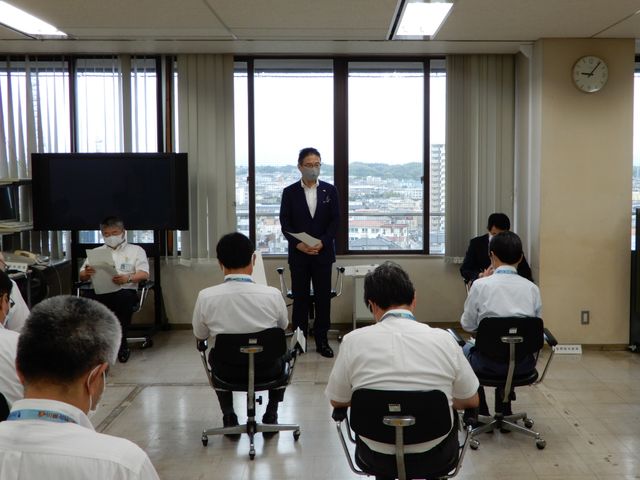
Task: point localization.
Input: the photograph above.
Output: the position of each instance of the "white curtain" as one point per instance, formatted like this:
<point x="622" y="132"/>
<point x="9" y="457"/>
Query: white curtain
<point x="34" y="117"/>
<point x="205" y="131"/>
<point x="479" y="145"/>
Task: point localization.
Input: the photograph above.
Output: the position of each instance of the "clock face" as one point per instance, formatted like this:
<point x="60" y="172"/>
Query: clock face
<point x="590" y="74"/>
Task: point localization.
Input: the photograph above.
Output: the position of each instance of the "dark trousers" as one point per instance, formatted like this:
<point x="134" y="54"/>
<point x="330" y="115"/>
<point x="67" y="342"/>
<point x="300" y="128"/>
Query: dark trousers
<point x="436" y="462"/>
<point x="121" y="303"/>
<point x="238" y="374"/>
<point x="319" y="275"/>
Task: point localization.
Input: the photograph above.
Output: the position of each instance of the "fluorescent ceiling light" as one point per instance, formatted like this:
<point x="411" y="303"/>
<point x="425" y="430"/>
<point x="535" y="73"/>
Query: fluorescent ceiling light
<point x="421" y="19"/>
<point x="24" y="22"/>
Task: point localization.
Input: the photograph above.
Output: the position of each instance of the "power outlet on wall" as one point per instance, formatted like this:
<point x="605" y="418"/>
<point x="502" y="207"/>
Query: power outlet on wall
<point x="584" y="317"/>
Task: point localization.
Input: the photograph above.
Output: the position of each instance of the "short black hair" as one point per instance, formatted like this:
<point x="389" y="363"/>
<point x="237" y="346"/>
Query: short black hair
<point x="66" y="336"/>
<point x="507" y="246"/>
<point x="305" y="152"/>
<point x="5" y="283"/>
<point x="110" y="222"/>
<point x="235" y="250"/>
<point x="499" y="220"/>
<point x="388" y="285"/>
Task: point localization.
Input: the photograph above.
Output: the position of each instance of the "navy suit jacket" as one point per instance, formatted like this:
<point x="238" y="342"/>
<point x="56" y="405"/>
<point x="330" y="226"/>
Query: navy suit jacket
<point x="477" y="260"/>
<point x="296" y="218"/>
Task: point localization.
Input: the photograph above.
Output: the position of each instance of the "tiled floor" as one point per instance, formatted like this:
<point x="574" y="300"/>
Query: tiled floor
<point x="588" y="410"/>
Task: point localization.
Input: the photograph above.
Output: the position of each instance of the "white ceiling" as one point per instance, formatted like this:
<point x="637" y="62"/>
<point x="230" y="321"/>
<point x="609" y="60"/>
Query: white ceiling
<point x="312" y="26"/>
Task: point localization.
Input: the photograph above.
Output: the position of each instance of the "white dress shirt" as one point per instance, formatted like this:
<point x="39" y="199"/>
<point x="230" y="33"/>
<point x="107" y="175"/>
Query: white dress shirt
<point x="400" y="354"/>
<point x="10" y="385"/>
<point x="502" y="294"/>
<point x="66" y="450"/>
<point x="311" y="194"/>
<point x="238" y="306"/>
<point x="128" y="259"/>
<point x="19" y="312"/>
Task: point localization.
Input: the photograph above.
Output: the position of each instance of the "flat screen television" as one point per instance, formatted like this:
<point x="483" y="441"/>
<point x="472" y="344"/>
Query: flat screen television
<point x="75" y="191"/>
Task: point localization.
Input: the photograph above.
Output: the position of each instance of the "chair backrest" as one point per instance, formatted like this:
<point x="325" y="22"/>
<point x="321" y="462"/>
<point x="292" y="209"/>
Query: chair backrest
<point x="492" y="329"/>
<point x="430" y="409"/>
<point x="227" y="347"/>
<point x="4" y="408"/>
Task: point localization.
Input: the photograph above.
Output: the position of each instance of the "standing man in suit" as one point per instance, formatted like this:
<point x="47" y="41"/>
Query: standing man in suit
<point x="311" y="206"/>
<point x="476" y="262"/>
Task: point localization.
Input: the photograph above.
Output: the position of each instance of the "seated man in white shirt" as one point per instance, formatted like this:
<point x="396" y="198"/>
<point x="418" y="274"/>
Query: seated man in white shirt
<point x="10" y="385"/>
<point x="132" y="267"/>
<point x="19" y="310"/>
<point x="239" y="306"/>
<point x="400" y="353"/>
<point x="502" y="293"/>
<point x="64" y="352"/>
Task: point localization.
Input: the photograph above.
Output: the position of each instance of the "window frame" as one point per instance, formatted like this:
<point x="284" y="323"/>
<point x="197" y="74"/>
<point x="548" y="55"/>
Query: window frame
<point x="341" y="144"/>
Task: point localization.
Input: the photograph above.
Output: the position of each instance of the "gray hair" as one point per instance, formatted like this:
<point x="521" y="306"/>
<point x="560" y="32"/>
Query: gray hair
<point x="111" y="222"/>
<point x="66" y="336"/>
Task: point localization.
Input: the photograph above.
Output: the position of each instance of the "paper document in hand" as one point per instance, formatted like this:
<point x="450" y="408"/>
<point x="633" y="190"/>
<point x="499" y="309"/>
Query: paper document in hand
<point x="298" y="339"/>
<point x="102" y="261"/>
<point x="305" y="238"/>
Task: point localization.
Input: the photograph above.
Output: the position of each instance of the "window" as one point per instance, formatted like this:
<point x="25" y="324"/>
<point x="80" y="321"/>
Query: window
<point x="635" y="178"/>
<point x="392" y="143"/>
<point x="391" y="147"/>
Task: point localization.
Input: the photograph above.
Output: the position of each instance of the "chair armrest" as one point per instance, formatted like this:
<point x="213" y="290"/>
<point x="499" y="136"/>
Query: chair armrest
<point x="339" y="414"/>
<point x="202" y="345"/>
<point x="456" y="337"/>
<point x="548" y="336"/>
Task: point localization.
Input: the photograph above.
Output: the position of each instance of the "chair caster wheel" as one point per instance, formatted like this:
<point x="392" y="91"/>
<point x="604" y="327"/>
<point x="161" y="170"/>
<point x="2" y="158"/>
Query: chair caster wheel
<point x="541" y="444"/>
<point x="528" y="423"/>
<point x="252" y="454"/>
<point x="339" y="338"/>
<point x="205" y="440"/>
<point x="474" y="444"/>
<point x="296" y="435"/>
<point x="148" y="343"/>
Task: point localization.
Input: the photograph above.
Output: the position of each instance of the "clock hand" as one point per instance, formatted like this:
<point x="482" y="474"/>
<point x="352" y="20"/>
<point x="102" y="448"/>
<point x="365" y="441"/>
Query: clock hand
<point x="594" y="69"/>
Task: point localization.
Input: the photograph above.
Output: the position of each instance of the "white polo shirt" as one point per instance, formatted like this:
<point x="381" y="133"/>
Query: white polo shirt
<point x="19" y="312"/>
<point x="10" y="385"/>
<point x="128" y="259"/>
<point x="70" y="449"/>
<point x="401" y="354"/>
<point x="238" y="306"/>
<point x="502" y="294"/>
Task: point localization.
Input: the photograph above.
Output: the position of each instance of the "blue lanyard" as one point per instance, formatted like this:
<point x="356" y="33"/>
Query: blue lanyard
<point x="238" y="279"/>
<point x="506" y="272"/>
<point x="46" y="415"/>
<point x="399" y="315"/>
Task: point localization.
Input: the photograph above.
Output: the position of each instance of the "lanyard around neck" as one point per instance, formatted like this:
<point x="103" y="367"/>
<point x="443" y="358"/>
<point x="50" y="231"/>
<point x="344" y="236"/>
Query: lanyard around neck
<point x="238" y="279"/>
<point x="398" y="315"/>
<point x="46" y="415"/>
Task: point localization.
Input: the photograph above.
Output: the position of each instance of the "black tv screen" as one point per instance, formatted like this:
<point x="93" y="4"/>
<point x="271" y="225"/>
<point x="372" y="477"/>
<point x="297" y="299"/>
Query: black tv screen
<point x="75" y="191"/>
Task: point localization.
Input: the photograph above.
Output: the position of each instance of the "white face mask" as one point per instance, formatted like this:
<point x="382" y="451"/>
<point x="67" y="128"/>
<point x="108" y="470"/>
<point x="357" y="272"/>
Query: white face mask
<point x="114" y="240"/>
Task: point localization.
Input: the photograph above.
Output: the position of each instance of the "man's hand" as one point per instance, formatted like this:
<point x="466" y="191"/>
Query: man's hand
<point x="87" y="272"/>
<point x="304" y="248"/>
<point x="120" y="279"/>
<point x="487" y="272"/>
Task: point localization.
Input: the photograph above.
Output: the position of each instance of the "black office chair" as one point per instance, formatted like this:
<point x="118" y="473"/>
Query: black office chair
<point x="402" y="418"/>
<point x="85" y="289"/>
<point x="336" y="291"/>
<point x="4" y="408"/>
<point x="247" y="353"/>
<point x="508" y="340"/>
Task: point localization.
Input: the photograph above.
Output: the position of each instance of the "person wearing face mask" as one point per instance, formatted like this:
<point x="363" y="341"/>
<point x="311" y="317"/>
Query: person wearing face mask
<point x="504" y="293"/>
<point x="311" y="206"/>
<point x="132" y="267"/>
<point x="10" y="385"/>
<point x="19" y="310"/>
<point x="64" y="352"/>
<point x="476" y="262"/>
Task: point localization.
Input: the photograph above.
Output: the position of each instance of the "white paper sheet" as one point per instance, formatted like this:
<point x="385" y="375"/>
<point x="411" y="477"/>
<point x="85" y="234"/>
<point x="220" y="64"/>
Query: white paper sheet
<point x="305" y="238"/>
<point x="102" y="261"/>
<point x="298" y="339"/>
<point x="259" y="275"/>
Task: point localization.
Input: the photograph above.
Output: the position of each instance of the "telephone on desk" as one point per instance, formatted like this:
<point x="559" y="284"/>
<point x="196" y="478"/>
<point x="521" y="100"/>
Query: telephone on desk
<point x="21" y="260"/>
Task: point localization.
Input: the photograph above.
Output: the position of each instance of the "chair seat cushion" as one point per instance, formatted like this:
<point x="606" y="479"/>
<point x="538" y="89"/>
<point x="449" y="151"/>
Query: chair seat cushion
<point x="518" y="380"/>
<point x="239" y="384"/>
